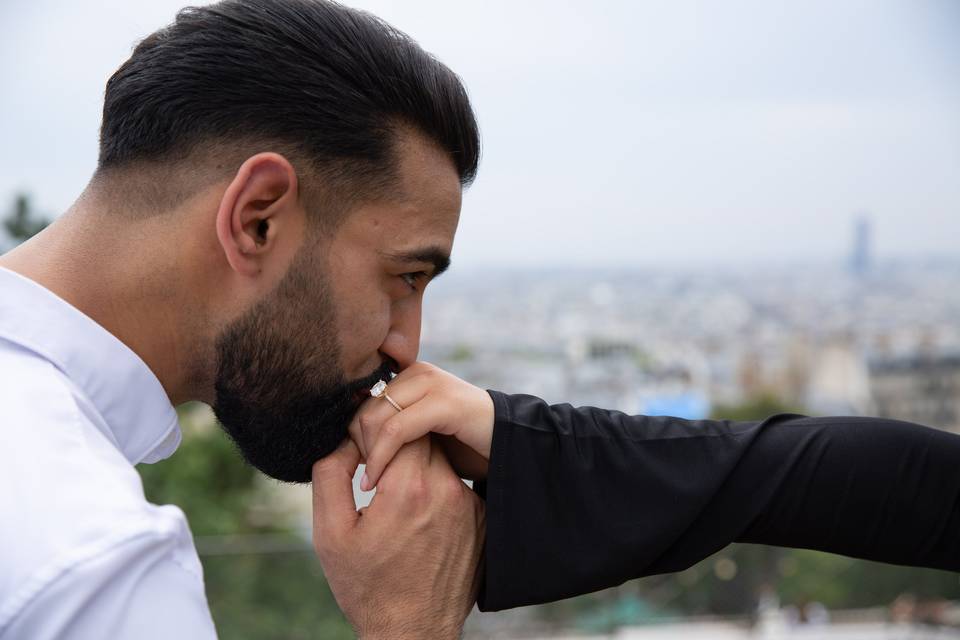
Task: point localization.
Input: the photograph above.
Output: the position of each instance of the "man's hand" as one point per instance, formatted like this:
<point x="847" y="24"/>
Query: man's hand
<point x="432" y="401"/>
<point x="406" y="566"/>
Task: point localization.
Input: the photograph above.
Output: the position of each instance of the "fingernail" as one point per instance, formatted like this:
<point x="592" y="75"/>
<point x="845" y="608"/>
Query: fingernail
<point x="365" y="482"/>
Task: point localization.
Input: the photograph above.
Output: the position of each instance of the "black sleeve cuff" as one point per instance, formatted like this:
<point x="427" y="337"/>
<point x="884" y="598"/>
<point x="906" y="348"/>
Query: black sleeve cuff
<point x="492" y="490"/>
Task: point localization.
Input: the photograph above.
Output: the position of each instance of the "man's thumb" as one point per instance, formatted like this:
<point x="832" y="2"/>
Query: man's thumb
<point x="334" y="509"/>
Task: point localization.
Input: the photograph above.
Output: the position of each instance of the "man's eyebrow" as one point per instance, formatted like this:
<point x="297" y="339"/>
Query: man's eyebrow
<point x="439" y="258"/>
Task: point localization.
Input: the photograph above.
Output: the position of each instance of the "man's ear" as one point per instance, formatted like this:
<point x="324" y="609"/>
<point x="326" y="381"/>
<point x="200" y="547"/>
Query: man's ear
<point x="259" y="202"/>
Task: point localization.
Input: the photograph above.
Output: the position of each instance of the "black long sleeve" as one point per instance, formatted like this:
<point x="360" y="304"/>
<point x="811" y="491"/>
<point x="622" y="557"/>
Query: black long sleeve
<point x="583" y="499"/>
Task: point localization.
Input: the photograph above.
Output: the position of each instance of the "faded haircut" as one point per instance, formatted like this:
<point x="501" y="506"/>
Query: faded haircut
<point x="330" y="87"/>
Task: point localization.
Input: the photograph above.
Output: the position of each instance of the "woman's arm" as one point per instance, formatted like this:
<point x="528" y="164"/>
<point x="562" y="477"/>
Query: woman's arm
<point x="583" y="499"/>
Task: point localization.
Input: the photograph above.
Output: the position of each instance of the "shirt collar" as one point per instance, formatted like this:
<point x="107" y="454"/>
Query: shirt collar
<point x="141" y="421"/>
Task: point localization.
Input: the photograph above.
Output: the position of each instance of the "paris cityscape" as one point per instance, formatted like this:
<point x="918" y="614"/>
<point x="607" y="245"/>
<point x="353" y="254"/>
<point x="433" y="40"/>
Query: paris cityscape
<point x="856" y="337"/>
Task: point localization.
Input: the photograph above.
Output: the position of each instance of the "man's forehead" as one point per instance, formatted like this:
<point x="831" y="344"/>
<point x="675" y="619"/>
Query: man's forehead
<point x="429" y="183"/>
<point x="425" y="209"/>
<point x="405" y="228"/>
<point x="420" y="216"/>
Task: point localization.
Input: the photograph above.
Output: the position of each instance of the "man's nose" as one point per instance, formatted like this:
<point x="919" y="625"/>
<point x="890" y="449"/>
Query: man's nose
<point x="403" y="339"/>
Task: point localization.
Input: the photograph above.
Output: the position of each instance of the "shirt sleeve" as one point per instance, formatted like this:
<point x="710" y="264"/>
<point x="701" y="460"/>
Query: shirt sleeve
<point x="580" y="499"/>
<point x="140" y="588"/>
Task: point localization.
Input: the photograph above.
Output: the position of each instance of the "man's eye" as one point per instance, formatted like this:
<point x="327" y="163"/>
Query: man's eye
<point x="414" y="278"/>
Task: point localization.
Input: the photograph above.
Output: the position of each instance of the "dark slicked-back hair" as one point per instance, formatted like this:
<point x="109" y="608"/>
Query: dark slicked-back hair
<point x="332" y="85"/>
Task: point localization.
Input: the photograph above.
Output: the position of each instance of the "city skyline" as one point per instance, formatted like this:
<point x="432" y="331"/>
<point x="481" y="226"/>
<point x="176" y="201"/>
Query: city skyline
<point x="620" y="134"/>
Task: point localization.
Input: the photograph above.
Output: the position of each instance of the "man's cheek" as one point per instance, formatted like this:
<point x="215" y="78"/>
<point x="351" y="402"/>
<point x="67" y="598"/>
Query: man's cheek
<point x="360" y="341"/>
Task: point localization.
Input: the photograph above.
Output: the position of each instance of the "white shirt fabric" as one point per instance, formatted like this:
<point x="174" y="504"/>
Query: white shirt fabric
<point x="83" y="555"/>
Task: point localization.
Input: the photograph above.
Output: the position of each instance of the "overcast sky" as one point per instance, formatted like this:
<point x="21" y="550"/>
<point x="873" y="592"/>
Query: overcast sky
<point x="615" y="133"/>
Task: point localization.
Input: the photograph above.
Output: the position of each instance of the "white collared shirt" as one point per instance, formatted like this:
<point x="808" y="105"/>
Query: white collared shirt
<point x="82" y="553"/>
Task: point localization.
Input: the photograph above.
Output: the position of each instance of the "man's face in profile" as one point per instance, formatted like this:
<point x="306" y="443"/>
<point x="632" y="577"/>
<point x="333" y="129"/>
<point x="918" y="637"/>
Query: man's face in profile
<point x="293" y="370"/>
<point x="281" y="392"/>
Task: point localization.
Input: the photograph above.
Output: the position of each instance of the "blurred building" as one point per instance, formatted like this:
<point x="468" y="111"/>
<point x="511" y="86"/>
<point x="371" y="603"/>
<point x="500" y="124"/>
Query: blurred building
<point x="860" y="253"/>
<point x="839" y="382"/>
<point x="922" y="388"/>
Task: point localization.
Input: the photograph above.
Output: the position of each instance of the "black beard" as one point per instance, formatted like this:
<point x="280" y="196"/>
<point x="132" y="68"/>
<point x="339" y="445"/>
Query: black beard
<point x="284" y="438"/>
<point x="280" y="392"/>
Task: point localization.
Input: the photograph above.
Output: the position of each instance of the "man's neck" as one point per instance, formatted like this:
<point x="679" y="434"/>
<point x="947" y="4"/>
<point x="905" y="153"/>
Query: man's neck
<point x="128" y="292"/>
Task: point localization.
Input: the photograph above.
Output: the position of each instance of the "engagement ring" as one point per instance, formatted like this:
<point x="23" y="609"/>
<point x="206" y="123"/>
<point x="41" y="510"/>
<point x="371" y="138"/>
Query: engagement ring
<point x="379" y="390"/>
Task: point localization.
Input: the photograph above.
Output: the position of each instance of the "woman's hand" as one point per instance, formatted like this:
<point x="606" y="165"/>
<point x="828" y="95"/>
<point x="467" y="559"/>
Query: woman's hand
<point x="432" y="400"/>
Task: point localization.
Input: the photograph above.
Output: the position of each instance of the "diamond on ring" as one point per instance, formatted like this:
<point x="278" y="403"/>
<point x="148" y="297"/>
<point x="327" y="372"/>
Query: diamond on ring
<point x="378" y="389"/>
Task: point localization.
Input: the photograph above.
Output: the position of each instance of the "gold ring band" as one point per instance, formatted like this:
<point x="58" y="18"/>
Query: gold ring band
<point x="392" y="401"/>
<point x="379" y="390"/>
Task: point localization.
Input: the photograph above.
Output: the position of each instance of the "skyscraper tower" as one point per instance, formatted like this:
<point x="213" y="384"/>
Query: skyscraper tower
<point x="860" y="253"/>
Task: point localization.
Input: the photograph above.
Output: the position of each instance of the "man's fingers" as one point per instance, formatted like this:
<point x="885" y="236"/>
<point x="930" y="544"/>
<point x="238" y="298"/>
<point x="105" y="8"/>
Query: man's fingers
<point x="413" y="422"/>
<point x="407" y="471"/>
<point x="356" y="432"/>
<point x="334" y="510"/>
